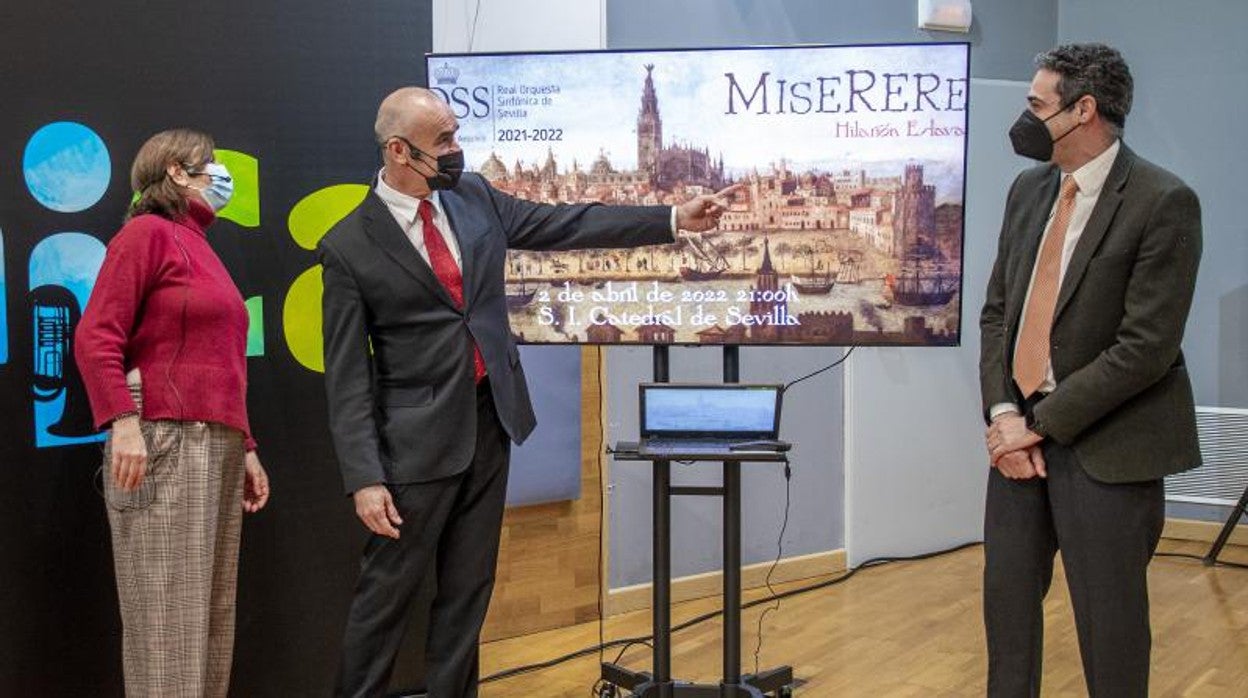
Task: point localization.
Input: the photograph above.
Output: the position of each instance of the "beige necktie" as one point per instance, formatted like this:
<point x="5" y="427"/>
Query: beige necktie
<point x="1031" y="355"/>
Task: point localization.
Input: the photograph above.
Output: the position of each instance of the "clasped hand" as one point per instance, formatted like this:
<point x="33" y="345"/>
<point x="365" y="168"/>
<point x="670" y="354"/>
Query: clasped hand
<point x="1014" y="449"/>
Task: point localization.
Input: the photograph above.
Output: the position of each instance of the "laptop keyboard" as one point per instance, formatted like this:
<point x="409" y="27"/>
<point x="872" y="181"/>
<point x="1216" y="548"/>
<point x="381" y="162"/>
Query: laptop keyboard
<point x="687" y="445"/>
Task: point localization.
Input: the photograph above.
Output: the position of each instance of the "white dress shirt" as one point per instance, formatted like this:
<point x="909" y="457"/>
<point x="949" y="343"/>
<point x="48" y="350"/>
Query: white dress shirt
<point x="406" y="212"/>
<point x="1091" y="179"/>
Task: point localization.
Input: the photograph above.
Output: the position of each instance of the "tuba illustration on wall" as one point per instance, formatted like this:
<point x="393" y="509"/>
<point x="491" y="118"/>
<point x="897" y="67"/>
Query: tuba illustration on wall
<point x="63" y="269"/>
<point x="55" y="376"/>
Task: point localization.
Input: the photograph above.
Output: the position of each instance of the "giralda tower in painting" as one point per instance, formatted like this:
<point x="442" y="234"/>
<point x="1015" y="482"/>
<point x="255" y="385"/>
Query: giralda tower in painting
<point x="649" y="129"/>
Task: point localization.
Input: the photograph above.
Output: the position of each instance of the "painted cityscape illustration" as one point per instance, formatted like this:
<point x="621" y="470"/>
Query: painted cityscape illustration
<point x="850" y="235"/>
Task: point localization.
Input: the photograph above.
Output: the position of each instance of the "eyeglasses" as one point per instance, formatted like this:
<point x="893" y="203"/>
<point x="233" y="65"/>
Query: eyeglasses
<point x="190" y="172"/>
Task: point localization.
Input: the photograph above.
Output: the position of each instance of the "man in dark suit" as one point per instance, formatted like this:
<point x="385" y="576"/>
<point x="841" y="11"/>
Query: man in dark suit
<point x="1082" y="378"/>
<point x="424" y="380"/>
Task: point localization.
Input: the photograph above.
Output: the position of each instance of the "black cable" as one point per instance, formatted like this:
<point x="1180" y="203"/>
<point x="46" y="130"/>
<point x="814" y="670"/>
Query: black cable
<point x="472" y="33"/>
<point x="602" y="509"/>
<point x="624" y="649"/>
<point x="583" y="652"/>
<point x="1186" y="555"/>
<point x="784" y="526"/>
<point x="597" y="689"/>
<point x="829" y="367"/>
<point x="1216" y="563"/>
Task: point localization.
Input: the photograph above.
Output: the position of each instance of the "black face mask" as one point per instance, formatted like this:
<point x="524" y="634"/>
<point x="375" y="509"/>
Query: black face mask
<point x="449" y="166"/>
<point x="1030" y="137"/>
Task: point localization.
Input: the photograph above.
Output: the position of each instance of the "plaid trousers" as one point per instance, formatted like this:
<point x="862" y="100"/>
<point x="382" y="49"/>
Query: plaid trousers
<point x="175" y="548"/>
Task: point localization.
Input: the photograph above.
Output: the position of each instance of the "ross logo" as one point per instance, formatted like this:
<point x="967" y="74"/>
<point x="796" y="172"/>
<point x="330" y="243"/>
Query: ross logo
<point x="446" y="74"/>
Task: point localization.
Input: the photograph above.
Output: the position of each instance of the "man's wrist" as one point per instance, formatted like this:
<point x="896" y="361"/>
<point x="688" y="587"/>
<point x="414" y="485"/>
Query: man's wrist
<point x="1002" y="408"/>
<point x="1034" y="425"/>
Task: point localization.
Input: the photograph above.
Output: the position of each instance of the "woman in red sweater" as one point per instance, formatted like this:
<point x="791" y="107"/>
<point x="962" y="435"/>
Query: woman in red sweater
<point x="162" y="350"/>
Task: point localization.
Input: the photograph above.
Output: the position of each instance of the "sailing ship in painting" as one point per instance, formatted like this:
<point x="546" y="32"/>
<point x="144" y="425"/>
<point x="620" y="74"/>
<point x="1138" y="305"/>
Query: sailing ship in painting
<point x="925" y="279"/>
<point x="817" y="281"/>
<point x="708" y="262"/>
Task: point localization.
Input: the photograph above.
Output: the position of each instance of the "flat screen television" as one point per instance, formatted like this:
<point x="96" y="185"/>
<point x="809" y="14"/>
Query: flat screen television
<point x="846" y="227"/>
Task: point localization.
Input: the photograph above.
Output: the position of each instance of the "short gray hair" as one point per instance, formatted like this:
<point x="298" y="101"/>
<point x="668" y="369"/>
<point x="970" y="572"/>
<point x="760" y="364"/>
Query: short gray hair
<point x="1092" y="69"/>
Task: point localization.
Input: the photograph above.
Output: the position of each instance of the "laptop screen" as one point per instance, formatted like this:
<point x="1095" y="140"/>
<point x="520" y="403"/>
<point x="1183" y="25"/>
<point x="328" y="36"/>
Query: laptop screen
<point x="734" y="410"/>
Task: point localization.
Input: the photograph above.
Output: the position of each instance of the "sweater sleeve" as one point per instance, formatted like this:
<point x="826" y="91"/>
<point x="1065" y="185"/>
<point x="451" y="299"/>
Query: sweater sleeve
<point x="131" y="263"/>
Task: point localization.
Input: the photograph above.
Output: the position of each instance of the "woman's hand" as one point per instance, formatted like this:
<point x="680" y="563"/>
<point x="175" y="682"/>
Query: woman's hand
<point x="255" y="484"/>
<point x="129" y="462"/>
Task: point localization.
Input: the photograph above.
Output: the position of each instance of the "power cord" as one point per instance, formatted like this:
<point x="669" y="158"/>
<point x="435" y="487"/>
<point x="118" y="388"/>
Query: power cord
<point x="601" y="689"/>
<point x="1198" y="558"/>
<point x="602" y="512"/>
<point x="784" y="526"/>
<point x="829" y="367"/>
<point x="472" y="32"/>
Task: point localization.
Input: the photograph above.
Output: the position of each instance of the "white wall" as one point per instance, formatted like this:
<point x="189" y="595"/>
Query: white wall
<point x="463" y="26"/>
<point x="914" y="457"/>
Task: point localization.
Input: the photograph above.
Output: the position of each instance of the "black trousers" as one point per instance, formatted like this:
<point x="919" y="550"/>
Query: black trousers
<point x="453" y="524"/>
<point x="1107" y="534"/>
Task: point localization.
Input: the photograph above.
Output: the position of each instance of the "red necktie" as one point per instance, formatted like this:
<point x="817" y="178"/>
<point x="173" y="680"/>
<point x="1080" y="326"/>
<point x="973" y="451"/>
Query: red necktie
<point x="447" y="271"/>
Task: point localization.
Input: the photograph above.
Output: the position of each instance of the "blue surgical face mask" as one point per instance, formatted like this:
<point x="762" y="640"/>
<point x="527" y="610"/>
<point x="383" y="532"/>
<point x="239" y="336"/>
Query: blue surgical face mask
<point x="220" y="185"/>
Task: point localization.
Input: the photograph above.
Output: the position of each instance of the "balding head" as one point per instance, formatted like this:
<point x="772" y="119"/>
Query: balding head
<point x="403" y="110"/>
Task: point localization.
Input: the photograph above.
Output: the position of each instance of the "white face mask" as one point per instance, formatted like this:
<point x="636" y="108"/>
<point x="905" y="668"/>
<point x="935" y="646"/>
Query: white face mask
<point x="220" y="186"/>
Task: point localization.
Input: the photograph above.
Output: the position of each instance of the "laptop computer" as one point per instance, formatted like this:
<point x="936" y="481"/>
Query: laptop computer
<point x="704" y="421"/>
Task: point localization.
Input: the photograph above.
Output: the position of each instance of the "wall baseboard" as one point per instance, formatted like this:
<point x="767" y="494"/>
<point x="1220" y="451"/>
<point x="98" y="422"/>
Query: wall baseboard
<point x="1202" y="531"/>
<point x="698" y="586"/>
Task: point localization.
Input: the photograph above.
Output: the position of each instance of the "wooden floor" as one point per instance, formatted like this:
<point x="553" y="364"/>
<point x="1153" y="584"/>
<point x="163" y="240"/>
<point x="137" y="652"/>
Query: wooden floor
<point x="914" y="629"/>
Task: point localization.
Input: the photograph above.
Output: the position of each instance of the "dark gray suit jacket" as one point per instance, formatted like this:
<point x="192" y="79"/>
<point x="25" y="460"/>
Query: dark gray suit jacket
<point x="407" y="412"/>
<point x="1123" y="400"/>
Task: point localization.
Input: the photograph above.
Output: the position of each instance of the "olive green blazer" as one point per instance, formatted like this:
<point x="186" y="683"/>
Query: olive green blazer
<point x="1123" y="400"/>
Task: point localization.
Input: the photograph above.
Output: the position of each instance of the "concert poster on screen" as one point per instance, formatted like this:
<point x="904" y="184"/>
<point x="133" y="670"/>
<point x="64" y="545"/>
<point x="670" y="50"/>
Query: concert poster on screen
<point x="845" y="168"/>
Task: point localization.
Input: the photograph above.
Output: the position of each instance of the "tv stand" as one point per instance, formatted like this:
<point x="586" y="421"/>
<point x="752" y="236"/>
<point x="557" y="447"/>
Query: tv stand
<point x="659" y="682"/>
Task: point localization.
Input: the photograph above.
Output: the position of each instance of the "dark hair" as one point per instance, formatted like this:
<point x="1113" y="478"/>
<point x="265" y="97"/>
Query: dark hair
<point x="155" y="192"/>
<point x="1092" y="69"/>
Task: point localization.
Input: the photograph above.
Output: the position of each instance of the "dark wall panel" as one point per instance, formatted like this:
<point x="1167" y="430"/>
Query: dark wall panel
<point x="293" y="86"/>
